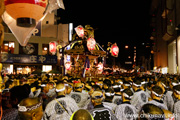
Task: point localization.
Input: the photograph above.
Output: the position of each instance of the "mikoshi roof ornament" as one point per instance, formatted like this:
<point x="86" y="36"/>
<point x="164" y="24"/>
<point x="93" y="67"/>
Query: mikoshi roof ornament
<point x="80" y="31"/>
<point x="22" y="16"/>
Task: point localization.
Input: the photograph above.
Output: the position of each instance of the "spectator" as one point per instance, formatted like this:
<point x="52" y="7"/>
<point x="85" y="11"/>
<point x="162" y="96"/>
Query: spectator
<point x="30" y="109"/>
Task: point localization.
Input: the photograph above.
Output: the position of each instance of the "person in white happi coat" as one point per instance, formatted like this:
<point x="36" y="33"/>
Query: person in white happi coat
<point x="99" y="112"/>
<point x="109" y="95"/>
<point x="176" y="97"/>
<point x="35" y="90"/>
<point x="47" y="93"/>
<point x="166" y="98"/>
<point x="117" y="99"/>
<point x="140" y="97"/>
<point x="151" y="112"/>
<point x="30" y="109"/>
<point x="150" y="84"/>
<point x="82" y="99"/>
<point x="169" y="98"/>
<point x="62" y="107"/>
<point x="156" y="95"/>
<point x="126" y="111"/>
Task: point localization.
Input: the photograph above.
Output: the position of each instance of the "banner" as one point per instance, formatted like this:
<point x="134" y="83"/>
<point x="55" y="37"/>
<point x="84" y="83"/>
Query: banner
<point x="29" y="49"/>
<point x="16" y="58"/>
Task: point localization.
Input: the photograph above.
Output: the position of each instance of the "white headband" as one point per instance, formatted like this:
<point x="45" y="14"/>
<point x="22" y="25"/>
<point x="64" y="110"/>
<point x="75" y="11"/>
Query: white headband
<point x="126" y="84"/>
<point x="127" y="96"/>
<point x="178" y="92"/>
<point x="99" y="84"/>
<point x="121" y="90"/>
<point x="109" y="94"/>
<point x="136" y="85"/>
<point x="117" y="86"/>
<point x="156" y="94"/>
<point x="144" y="82"/>
<point x="43" y="85"/>
<point x="60" y="90"/>
<point x="120" y="82"/>
<point x="25" y="109"/>
<point x="174" y="84"/>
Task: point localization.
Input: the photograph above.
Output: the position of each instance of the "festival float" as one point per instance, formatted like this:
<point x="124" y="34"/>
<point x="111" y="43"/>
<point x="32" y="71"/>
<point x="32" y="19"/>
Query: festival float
<point x="83" y="52"/>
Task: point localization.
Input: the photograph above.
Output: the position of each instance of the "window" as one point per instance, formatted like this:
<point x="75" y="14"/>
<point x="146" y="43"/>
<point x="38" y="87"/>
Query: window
<point x="8" y="47"/>
<point x="45" y="49"/>
<point x="29" y="49"/>
<point x="47" y="68"/>
<point x="8" y="68"/>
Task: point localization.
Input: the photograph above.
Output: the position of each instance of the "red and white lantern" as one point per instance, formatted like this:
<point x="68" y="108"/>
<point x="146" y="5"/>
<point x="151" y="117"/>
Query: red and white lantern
<point x="91" y="44"/>
<point x="100" y="68"/>
<point x="52" y="47"/>
<point x="68" y="65"/>
<point x="80" y="31"/>
<point x="114" y="50"/>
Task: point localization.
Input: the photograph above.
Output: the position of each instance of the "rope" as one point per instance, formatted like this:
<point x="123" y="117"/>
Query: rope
<point x="60" y="105"/>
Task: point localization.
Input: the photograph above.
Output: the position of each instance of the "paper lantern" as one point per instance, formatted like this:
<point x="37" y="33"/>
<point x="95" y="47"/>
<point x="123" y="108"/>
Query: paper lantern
<point x="26" y="12"/>
<point x="22" y="34"/>
<point x="68" y="65"/>
<point x="22" y="16"/>
<point x="80" y="31"/>
<point x="114" y="50"/>
<point x="52" y="47"/>
<point x="100" y="68"/>
<point x="91" y="44"/>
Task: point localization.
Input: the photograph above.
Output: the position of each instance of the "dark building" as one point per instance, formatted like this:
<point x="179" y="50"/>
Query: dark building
<point x="165" y="22"/>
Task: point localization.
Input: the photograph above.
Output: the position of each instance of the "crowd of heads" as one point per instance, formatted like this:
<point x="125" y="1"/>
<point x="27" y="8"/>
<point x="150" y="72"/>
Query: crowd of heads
<point x="28" y="94"/>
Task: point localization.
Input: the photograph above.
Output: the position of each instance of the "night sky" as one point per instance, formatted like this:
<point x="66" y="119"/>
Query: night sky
<point x="125" y="22"/>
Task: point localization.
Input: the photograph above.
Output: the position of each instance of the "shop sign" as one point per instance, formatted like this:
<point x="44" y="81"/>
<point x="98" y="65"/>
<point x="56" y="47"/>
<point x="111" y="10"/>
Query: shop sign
<point x="52" y="47"/>
<point x="91" y="44"/>
<point x="114" y="50"/>
<point x="16" y="58"/>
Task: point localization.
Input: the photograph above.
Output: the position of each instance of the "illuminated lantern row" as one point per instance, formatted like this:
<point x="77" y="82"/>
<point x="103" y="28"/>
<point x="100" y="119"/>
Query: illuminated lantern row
<point x="52" y="47"/>
<point x="68" y="65"/>
<point x="114" y="50"/>
<point x="80" y="31"/>
<point x="91" y="44"/>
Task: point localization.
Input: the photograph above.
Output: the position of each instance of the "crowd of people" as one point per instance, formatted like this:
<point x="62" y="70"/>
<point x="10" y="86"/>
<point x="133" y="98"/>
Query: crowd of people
<point x="112" y="97"/>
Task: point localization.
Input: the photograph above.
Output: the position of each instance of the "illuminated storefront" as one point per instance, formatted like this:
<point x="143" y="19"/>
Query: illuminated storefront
<point x="172" y="64"/>
<point x="25" y="64"/>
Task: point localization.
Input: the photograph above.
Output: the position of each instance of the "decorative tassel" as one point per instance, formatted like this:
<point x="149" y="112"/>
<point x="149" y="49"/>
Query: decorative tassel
<point x="86" y="64"/>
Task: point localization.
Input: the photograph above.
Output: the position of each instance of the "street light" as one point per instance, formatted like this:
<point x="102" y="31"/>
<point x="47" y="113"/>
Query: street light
<point x="126" y="46"/>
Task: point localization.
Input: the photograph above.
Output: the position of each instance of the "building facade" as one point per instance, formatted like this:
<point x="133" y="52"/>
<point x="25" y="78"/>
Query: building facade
<point x="165" y="24"/>
<point x="36" y="54"/>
